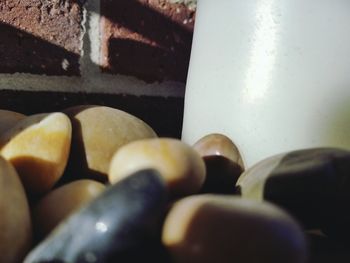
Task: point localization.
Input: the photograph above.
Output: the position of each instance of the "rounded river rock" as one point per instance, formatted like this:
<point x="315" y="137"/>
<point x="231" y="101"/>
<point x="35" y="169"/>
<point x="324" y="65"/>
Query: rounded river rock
<point x="61" y="202"/>
<point x="38" y="147"/>
<point x="223" y="163"/>
<point x="15" y="223"/>
<point x="312" y="184"/>
<point x="120" y="225"/>
<point x="213" y="228"/>
<point x="8" y="119"/>
<point x="179" y="164"/>
<point x="98" y="132"/>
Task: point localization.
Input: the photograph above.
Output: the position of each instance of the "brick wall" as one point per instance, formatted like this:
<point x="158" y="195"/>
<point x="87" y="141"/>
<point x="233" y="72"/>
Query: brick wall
<point x="129" y="54"/>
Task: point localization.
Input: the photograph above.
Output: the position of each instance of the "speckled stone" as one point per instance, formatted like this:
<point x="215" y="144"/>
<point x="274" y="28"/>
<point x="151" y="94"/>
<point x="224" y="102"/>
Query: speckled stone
<point x="121" y="225"/>
<point x="41" y="37"/>
<point x="312" y="184"/>
<point x="148" y="39"/>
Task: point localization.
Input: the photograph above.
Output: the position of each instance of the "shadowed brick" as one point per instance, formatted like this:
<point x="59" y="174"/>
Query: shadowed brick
<point x="41" y="36"/>
<point x="149" y="39"/>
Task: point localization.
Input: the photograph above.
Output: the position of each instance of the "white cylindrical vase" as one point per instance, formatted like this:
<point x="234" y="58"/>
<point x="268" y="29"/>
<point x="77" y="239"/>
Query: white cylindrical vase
<point x="272" y="75"/>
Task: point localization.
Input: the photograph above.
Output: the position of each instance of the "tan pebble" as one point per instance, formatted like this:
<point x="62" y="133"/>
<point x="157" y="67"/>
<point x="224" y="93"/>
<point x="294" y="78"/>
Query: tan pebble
<point x="223" y="163"/>
<point x="98" y="132"/>
<point x="181" y="166"/>
<point x="220" y="145"/>
<point x="38" y="147"/>
<point x="61" y="202"/>
<point x="15" y="223"/>
<point x="214" y="228"/>
<point x="8" y="119"/>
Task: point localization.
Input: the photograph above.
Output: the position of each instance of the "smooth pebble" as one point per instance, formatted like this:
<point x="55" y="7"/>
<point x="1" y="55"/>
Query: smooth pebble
<point x="15" y="223"/>
<point x="8" y="119"/>
<point x="123" y="224"/>
<point x="312" y="184"/>
<point x="213" y="228"/>
<point x="220" y="145"/>
<point x="38" y="147"/>
<point x="61" y="202"/>
<point x="98" y="132"/>
<point x="181" y="166"/>
<point x="223" y="163"/>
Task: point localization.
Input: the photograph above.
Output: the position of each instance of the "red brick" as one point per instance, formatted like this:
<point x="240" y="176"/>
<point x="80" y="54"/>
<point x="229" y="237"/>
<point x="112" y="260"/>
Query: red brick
<point x="149" y="39"/>
<point x="41" y="36"/>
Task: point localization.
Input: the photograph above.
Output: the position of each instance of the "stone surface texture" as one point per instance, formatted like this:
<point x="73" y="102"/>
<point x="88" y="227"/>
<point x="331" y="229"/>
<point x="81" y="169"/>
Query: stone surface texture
<point x="149" y="39"/>
<point x="51" y="50"/>
<point x="41" y="36"/>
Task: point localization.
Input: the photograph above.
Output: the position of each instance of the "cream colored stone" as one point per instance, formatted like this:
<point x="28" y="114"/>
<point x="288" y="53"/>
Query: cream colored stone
<point x="8" y="119"/>
<point x="179" y="164"/>
<point x="61" y="202"/>
<point x="15" y="224"/>
<point x="225" y="229"/>
<point x="98" y="132"/>
<point x="38" y="147"/>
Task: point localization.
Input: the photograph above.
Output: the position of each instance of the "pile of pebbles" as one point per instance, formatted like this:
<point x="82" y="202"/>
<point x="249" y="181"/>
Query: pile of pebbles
<point x="96" y="184"/>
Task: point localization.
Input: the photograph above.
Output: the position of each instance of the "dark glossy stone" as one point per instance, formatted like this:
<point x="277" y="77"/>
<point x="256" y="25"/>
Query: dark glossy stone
<point x="222" y="175"/>
<point x="121" y="225"/>
<point x="312" y="184"/>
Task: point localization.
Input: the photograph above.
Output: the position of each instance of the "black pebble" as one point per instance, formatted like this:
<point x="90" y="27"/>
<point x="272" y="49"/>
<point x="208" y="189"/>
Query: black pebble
<point x="221" y="175"/>
<point x="121" y="225"/>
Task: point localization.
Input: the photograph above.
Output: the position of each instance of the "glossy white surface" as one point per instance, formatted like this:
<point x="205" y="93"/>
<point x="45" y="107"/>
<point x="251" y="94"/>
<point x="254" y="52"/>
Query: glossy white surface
<point x="272" y="75"/>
